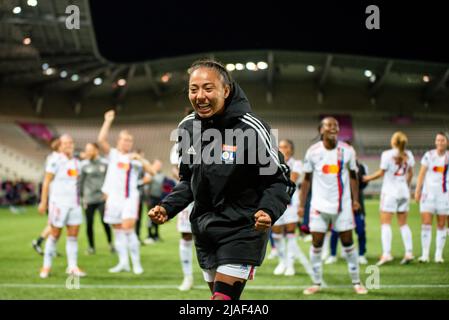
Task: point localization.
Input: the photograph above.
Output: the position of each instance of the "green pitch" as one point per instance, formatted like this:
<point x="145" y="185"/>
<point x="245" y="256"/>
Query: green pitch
<point x="19" y="267"/>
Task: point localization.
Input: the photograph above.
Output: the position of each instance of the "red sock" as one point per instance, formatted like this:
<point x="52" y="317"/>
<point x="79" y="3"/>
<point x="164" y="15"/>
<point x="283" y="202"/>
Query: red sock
<point x="224" y="296"/>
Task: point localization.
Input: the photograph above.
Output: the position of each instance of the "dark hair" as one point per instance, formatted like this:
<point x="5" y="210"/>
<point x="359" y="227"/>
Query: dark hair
<point x="441" y="133"/>
<point x="291" y="144"/>
<point x="322" y="124"/>
<point x="215" y="65"/>
<point x="96" y="146"/>
<point x="55" y="143"/>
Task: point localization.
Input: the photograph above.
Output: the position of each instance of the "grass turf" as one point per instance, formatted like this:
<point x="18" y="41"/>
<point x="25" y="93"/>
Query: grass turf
<point x="19" y="266"/>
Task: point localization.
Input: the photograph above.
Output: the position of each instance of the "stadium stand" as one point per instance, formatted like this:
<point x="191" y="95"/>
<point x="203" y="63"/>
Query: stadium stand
<point x="22" y="157"/>
<point x="373" y="133"/>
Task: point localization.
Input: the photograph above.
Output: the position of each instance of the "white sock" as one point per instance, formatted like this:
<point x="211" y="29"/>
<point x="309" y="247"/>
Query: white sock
<point x="386" y="239"/>
<point x="134" y="247"/>
<point x="292" y="249"/>
<point x="326" y="244"/>
<point x="71" y="248"/>
<point x="441" y="240"/>
<point x="279" y="243"/>
<point x="352" y="258"/>
<point x="185" y="255"/>
<point x="407" y="239"/>
<point x="315" y="259"/>
<point x="50" y="251"/>
<point x="121" y="246"/>
<point x="426" y="239"/>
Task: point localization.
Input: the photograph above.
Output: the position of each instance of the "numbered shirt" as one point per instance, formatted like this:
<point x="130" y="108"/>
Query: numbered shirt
<point x="395" y="178"/>
<point x="122" y="175"/>
<point x="64" y="189"/>
<point x="330" y="182"/>
<point x="437" y="179"/>
<point x="295" y="166"/>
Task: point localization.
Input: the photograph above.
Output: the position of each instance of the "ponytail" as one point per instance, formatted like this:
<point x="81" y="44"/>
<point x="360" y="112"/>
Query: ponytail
<point x="399" y="141"/>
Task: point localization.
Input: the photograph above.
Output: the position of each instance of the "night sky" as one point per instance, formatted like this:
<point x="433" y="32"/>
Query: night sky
<point x="135" y="31"/>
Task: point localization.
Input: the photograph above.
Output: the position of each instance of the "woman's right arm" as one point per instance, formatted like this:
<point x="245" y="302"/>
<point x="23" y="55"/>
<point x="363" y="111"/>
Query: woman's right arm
<point x="419" y="183"/>
<point x="304" y="191"/>
<point x="376" y="175"/>
<point x="104" y="132"/>
<point x="44" y="193"/>
<point x="182" y="194"/>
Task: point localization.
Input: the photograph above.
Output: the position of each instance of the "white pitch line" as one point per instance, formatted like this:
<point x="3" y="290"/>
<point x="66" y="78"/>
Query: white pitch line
<point x="202" y="287"/>
<point x="88" y="286"/>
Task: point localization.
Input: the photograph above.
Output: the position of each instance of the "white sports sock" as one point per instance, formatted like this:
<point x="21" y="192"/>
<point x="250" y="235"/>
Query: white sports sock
<point x="407" y="239"/>
<point x="134" y="247"/>
<point x="121" y="246"/>
<point x="71" y="248"/>
<point x="326" y="245"/>
<point x="440" y="240"/>
<point x="279" y="243"/>
<point x="292" y="249"/>
<point x="185" y="255"/>
<point x="50" y="251"/>
<point x="386" y="239"/>
<point x="352" y="258"/>
<point x="315" y="259"/>
<point x="426" y="239"/>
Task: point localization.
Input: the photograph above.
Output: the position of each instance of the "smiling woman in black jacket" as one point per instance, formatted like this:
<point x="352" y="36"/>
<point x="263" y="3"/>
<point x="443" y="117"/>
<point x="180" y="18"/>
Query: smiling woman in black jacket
<point x="231" y="168"/>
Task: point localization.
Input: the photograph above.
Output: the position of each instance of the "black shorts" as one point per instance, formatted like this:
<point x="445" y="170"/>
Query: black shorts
<point x="221" y="245"/>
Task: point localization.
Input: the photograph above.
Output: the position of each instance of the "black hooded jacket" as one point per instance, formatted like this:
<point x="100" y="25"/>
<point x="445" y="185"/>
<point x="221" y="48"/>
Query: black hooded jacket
<point x="226" y="195"/>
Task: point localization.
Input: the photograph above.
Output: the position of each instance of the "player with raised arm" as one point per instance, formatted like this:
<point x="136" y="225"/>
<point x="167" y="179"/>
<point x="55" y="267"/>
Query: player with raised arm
<point x="433" y="196"/>
<point x="122" y="195"/>
<point x="396" y="168"/>
<point x="331" y="168"/>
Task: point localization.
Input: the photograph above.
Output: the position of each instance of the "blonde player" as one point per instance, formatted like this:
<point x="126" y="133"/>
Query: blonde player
<point x="122" y="194"/>
<point x="334" y="198"/>
<point x="36" y="243"/>
<point x="283" y="231"/>
<point x="433" y="198"/>
<point x="396" y="168"/>
<point x="60" y="192"/>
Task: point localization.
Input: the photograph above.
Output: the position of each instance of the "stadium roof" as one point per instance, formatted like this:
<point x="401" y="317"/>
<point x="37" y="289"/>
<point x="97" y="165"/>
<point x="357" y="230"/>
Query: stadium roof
<point x="59" y="59"/>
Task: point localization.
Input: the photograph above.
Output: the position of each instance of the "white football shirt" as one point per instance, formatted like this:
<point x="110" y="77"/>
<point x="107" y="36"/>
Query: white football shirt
<point x="437" y="179"/>
<point x="395" y="177"/>
<point x="330" y="182"/>
<point x="295" y="166"/>
<point x="64" y="189"/>
<point x="122" y="176"/>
